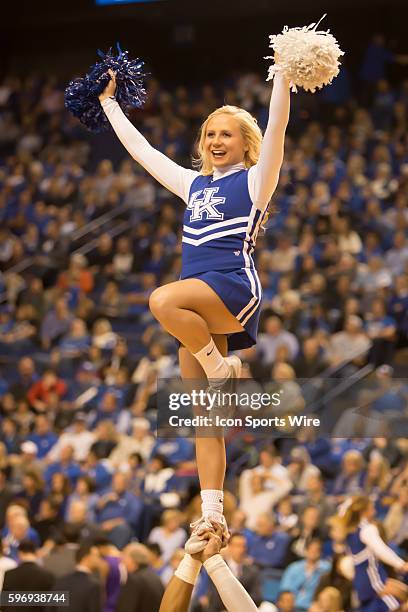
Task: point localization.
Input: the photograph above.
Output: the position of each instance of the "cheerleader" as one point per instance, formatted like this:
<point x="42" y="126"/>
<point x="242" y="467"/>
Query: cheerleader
<point x="376" y="592"/>
<point x="215" y="305"/>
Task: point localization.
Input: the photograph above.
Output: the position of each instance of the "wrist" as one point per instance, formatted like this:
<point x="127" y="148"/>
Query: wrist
<point x="188" y="569"/>
<point x="212" y="563"/>
<point x="105" y="97"/>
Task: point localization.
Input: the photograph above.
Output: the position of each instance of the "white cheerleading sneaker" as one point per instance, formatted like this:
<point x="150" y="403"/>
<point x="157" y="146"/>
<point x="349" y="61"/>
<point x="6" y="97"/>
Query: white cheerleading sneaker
<point x="195" y="543"/>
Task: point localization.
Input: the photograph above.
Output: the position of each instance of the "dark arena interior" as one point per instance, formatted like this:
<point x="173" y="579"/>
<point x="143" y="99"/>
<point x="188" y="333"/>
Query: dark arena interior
<point x="100" y="466"/>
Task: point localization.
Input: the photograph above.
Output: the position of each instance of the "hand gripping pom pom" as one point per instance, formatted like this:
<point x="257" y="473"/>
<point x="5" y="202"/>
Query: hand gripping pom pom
<point x="307" y="57"/>
<point x="81" y="95"/>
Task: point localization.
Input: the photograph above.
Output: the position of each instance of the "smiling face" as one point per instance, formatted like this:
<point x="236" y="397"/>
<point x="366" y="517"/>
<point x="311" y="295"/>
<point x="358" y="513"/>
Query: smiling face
<point x="224" y="143"/>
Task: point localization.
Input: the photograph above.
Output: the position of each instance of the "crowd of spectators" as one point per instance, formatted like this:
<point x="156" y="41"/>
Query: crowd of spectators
<point x="82" y="475"/>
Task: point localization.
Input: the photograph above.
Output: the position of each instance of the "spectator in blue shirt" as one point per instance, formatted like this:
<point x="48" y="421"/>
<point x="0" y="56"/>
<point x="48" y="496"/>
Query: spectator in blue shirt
<point x="119" y="512"/>
<point x="66" y="465"/>
<point x="302" y="577"/>
<point x="176" y="450"/>
<point x="268" y="547"/>
<point x="43" y="436"/>
<point x="97" y="470"/>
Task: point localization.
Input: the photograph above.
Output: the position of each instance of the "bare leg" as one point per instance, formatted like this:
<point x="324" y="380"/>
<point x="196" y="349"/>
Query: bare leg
<point x="191" y="311"/>
<point x="210" y="452"/>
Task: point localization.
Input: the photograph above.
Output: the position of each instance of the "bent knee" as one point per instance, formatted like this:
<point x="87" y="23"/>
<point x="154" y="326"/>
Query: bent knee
<point x="159" y="302"/>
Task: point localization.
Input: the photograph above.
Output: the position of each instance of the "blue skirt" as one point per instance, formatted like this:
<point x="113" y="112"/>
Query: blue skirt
<point x="241" y="292"/>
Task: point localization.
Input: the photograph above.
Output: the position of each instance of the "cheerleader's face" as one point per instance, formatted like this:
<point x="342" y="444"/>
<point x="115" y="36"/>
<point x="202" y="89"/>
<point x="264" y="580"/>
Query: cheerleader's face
<point x="224" y="143"/>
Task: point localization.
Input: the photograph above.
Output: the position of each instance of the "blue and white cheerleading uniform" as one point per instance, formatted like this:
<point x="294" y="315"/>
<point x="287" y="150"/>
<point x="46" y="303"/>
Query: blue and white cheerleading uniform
<point x="224" y="211"/>
<point x="220" y="228"/>
<point x="368" y="550"/>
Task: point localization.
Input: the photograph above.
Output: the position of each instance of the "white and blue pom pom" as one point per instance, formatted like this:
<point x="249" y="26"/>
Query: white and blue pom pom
<point x="81" y="95"/>
<point x="307" y="57"/>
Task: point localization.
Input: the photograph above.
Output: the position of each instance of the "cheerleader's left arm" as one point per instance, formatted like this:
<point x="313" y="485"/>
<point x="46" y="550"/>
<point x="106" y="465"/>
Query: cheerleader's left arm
<point x="371" y="538"/>
<point x="263" y="177"/>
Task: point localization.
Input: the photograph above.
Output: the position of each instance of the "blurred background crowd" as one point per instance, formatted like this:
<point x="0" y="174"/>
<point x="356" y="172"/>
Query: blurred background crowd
<point x="86" y="235"/>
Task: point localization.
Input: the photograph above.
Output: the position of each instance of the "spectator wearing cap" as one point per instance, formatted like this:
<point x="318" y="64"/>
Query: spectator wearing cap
<point x="141" y="441"/>
<point x="78" y="437"/>
<point x="381" y="329"/>
<point x="143" y="589"/>
<point x="273" y="336"/>
<point x="43" y="436"/>
<point x="118" y="512"/>
<point x="28" y="575"/>
<point x="351" y="344"/>
<point x="49" y="384"/>
<point x="55" y="324"/>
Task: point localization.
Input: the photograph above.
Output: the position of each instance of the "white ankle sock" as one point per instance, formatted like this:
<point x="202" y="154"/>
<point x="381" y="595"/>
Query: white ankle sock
<point x="212" y="503"/>
<point x="212" y="362"/>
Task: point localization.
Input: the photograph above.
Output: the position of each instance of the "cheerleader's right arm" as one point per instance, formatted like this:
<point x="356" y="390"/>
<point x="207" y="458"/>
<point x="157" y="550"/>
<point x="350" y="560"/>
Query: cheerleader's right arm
<point x="371" y="538"/>
<point x="172" y="176"/>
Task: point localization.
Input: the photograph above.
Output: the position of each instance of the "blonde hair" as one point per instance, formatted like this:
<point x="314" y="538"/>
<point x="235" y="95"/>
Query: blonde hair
<point x="250" y="131"/>
<point x="354" y="510"/>
<point x="333" y="596"/>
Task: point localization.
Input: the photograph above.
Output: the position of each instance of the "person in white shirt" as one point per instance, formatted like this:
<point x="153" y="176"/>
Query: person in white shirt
<point x="77" y="436"/>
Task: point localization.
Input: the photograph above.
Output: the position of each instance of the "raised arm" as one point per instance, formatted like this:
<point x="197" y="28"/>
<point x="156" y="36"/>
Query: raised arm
<point x="372" y="539"/>
<point x="264" y="176"/>
<point x="172" y="176"/>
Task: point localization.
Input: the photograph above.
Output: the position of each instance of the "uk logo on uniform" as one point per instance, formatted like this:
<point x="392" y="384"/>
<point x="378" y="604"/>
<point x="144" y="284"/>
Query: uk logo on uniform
<point x="206" y="204"/>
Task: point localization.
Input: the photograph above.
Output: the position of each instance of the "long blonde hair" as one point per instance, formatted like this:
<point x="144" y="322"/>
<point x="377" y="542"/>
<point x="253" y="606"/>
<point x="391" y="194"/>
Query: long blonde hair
<point x="250" y="131"/>
<point x="355" y="507"/>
